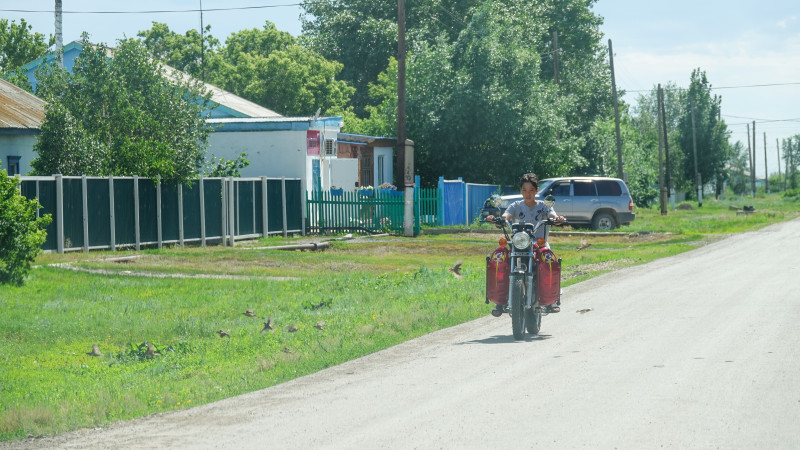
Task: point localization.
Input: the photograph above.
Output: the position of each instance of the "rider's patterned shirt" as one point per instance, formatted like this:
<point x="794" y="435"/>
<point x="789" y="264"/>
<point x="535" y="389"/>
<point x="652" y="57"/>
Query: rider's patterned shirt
<point x="520" y="212"/>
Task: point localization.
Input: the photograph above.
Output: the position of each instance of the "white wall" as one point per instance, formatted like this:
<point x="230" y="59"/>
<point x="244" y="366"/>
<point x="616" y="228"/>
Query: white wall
<point x="344" y="173"/>
<point x="279" y="153"/>
<point x="17" y="145"/>
<point x="388" y="165"/>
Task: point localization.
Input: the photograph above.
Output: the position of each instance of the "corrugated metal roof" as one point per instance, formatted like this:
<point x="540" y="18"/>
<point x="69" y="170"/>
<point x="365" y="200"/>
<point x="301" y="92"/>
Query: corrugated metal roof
<point x="19" y="109"/>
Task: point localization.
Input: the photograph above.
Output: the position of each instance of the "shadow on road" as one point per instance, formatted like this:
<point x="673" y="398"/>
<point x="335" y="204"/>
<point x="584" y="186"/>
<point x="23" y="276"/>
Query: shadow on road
<point x="507" y="339"/>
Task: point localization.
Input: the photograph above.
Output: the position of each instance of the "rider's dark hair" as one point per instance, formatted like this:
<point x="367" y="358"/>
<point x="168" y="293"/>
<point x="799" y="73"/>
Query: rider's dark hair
<point x="529" y="178"/>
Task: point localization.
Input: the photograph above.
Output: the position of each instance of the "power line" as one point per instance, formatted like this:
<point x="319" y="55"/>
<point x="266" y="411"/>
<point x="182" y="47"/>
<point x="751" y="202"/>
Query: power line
<point x="195" y="10"/>
<point x="732" y="87"/>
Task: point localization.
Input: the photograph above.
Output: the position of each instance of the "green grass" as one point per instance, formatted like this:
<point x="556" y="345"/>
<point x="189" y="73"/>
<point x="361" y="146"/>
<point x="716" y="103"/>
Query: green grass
<point x="370" y="295"/>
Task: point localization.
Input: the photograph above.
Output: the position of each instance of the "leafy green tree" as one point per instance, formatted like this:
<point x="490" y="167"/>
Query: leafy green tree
<point x="21" y="232"/>
<point x="711" y="134"/>
<point x="227" y="168"/>
<point x="739" y="173"/>
<point x="791" y="158"/>
<point x="185" y="52"/>
<point x="19" y="45"/>
<point x="120" y="115"/>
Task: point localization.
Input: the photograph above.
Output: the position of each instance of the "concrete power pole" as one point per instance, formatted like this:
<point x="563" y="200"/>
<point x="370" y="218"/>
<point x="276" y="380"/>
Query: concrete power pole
<point x="753" y="168"/>
<point x="766" y="175"/>
<point x="59" y="35"/>
<point x="662" y="189"/>
<point x="698" y="181"/>
<point x="404" y="146"/>
<point x="778" y="148"/>
<point x="616" y="111"/>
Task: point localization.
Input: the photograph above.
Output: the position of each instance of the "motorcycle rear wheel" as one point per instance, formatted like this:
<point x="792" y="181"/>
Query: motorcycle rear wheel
<point x="517" y="300"/>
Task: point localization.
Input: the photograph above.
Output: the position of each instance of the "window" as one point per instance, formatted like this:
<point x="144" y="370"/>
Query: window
<point x="608" y="187"/>
<point x="330" y="147"/>
<point x="584" y="188"/>
<point x="13" y="166"/>
<point x="560" y="189"/>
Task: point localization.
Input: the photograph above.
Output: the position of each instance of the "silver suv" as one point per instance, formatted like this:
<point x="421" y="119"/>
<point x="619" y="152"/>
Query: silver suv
<point x="604" y="203"/>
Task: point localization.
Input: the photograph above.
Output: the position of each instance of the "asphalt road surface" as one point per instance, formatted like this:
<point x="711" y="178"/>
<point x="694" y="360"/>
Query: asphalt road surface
<point x="699" y="350"/>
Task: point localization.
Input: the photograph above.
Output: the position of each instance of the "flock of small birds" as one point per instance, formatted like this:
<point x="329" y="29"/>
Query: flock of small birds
<point x="269" y="327"/>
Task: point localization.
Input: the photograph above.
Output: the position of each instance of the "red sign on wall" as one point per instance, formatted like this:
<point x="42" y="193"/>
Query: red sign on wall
<point x="312" y="142"/>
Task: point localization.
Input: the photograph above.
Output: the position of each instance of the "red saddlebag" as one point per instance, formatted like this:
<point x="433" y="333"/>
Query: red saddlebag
<point x="548" y="289"/>
<point x="498" y="269"/>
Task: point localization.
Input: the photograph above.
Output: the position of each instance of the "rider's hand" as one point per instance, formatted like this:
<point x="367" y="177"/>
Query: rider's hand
<point x="561" y="219"/>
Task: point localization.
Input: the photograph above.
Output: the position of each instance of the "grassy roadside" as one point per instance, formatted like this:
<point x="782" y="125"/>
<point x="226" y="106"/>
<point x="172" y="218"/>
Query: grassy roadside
<point x="369" y="294"/>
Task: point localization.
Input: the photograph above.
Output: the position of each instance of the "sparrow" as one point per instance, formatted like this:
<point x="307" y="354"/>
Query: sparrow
<point x="583" y="245"/>
<point x="95" y="351"/>
<point x="583" y="311"/>
<point x="291" y="328"/>
<point x="223" y="334"/>
<point x="268" y="326"/>
<point x="456" y="269"/>
<point x="320" y="325"/>
<point x="249" y="313"/>
<point x="287" y="350"/>
<point x="151" y="350"/>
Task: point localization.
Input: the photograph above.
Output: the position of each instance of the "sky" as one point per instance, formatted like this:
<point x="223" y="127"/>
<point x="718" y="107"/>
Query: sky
<point x="738" y="43"/>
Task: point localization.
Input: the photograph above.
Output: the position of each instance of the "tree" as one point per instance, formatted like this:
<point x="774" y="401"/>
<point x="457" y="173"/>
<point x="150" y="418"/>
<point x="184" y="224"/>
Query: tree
<point x="18" y="45"/>
<point x="739" y="179"/>
<point x="713" y="149"/>
<point x="21" y="232"/>
<point x="121" y="116"/>
<point x="187" y="52"/>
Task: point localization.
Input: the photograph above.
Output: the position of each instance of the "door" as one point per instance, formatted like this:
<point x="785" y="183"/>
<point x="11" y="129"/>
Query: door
<point x="561" y="191"/>
<point x="584" y="200"/>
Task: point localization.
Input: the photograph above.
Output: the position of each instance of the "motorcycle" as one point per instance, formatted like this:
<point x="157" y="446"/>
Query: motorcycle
<point x="523" y="275"/>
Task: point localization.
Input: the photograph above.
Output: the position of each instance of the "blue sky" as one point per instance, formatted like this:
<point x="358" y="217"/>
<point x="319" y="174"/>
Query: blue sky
<point x="737" y="43"/>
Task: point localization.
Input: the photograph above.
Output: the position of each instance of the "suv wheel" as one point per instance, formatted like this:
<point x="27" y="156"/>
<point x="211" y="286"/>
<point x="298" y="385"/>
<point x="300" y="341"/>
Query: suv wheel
<point x="604" y="221"/>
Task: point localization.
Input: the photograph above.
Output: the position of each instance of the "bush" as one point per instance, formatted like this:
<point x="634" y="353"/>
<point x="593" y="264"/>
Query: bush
<point x="21" y="233"/>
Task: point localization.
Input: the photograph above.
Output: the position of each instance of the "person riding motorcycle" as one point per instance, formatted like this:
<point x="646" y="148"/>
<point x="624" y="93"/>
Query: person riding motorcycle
<point x="529" y="210"/>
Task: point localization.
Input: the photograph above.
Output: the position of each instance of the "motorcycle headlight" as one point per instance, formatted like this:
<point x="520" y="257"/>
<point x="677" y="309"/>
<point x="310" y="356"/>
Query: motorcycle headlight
<point x="521" y="241"/>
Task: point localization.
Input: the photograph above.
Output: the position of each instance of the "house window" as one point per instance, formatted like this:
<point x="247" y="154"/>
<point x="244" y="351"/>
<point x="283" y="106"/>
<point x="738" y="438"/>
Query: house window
<point x="330" y="147"/>
<point x="13" y="166"/>
<point x="380" y="179"/>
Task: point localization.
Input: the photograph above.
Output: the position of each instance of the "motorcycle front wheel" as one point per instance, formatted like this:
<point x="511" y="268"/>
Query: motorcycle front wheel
<point x="517" y="300"/>
<point x="533" y="320"/>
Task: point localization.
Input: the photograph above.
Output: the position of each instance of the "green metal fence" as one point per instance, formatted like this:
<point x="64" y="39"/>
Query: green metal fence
<point x="111" y="212"/>
<point x="428" y="205"/>
<point x="374" y="211"/>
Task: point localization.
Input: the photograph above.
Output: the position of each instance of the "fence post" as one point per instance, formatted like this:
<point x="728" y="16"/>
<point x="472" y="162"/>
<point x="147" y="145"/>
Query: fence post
<point x="264" y="212"/>
<point x="202" y="212"/>
<point x="158" y="209"/>
<point x="111" y="218"/>
<point x="59" y="180"/>
<point x="440" y="201"/>
<point x="136" y="211"/>
<point x="231" y="212"/>
<point x="180" y="214"/>
<point x="283" y="192"/>
<point x="85" y="205"/>
<point x="223" y="185"/>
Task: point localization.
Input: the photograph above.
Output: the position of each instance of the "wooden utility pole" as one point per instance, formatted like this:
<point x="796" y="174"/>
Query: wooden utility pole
<point x="662" y="190"/>
<point x="766" y="174"/>
<point x="59" y="35"/>
<point x="753" y="168"/>
<point x="778" y="148"/>
<point x="404" y="146"/>
<point x="555" y="56"/>
<point x="616" y="111"/>
<point x="666" y="146"/>
<point x="697" y="179"/>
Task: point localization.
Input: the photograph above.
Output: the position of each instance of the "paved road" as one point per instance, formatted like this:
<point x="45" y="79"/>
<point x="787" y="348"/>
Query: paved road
<point x="694" y="351"/>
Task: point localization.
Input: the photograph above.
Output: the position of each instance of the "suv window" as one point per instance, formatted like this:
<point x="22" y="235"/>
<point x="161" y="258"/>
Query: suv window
<point x="608" y="187"/>
<point x="560" y="189"/>
<point x="584" y="189"/>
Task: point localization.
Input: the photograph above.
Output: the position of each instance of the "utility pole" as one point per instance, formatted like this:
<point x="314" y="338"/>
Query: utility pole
<point x="555" y="56"/>
<point x="59" y="35"/>
<point x="616" y="112"/>
<point x="202" y="46"/>
<point x="778" y="148"/>
<point x="753" y="168"/>
<point x="698" y="182"/>
<point x="662" y="189"/>
<point x="666" y="148"/>
<point x="766" y="174"/>
<point x="404" y="146"/>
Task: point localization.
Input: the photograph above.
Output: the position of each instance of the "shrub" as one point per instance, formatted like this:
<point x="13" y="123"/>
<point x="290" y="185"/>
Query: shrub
<point x="21" y="233"/>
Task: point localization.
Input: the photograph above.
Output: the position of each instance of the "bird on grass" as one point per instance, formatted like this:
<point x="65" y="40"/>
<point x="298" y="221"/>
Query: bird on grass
<point x="287" y="350"/>
<point x="583" y="245"/>
<point x="456" y="269"/>
<point x="249" y="313"/>
<point x="320" y="325"/>
<point x="583" y="311"/>
<point x="95" y="351"/>
<point x="291" y="328"/>
<point x="223" y="334"/>
<point x="151" y="350"/>
<point x="268" y="326"/>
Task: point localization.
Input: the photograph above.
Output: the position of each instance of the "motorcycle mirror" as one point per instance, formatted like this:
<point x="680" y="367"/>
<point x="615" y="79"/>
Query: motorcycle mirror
<point x="549" y="201"/>
<point x="495" y="200"/>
